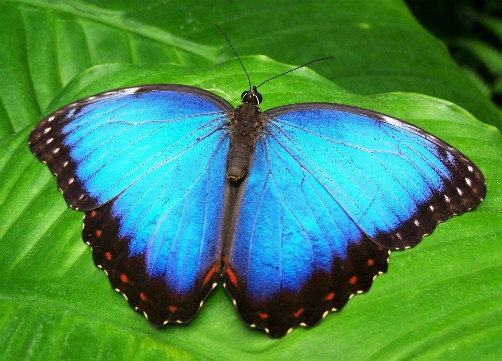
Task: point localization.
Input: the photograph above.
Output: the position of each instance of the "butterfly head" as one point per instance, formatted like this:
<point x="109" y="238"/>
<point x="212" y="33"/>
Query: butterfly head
<point x="251" y="96"/>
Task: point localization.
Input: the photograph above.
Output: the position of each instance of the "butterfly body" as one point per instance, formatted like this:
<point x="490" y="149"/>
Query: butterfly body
<point x="293" y="209"/>
<point x="246" y="126"/>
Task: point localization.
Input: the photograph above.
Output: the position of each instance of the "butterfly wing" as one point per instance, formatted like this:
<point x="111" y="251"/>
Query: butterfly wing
<point x="330" y="190"/>
<point x="99" y="146"/>
<point x="146" y="164"/>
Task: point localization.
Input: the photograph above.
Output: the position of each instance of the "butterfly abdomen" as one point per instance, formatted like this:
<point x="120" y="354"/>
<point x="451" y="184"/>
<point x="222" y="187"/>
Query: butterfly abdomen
<point x="245" y="126"/>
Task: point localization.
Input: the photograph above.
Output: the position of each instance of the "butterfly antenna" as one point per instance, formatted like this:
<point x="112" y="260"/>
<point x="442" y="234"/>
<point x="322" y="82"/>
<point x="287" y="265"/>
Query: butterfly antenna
<point x="235" y="52"/>
<point x="298" y="67"/>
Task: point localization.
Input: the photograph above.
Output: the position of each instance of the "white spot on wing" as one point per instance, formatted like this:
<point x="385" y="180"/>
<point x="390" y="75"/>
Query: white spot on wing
<point x="391" y="120"/>
<point x="459" y="191"/>
<point x="468" y="181"/>
<point x="47" y="130"/>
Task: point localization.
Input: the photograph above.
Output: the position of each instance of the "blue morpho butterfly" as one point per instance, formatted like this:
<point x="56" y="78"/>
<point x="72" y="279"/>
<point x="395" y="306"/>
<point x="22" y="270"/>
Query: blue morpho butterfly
<point x="293" y="209"/>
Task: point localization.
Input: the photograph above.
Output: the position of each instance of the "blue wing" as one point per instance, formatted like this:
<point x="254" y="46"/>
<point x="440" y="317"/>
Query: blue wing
<point x="99" y="146"/>
<point x="147" y="164"/>
<point x="340" y="185"/>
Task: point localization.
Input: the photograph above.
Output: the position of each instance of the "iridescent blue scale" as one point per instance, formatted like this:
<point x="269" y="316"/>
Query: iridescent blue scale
<point x="327" y="191"/>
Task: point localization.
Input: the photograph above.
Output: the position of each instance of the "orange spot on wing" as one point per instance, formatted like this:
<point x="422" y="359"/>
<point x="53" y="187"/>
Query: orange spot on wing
<point x="329" y="296"/>
<point x="263" y="315"/>
<point x="108" y="256"/>
<point x="143" y="297"/>
<point x="93" y="214"/>
<point x="371" y="262"/>
<point x="298" y="313"/>
<point x="172" y="309"/>
<point x="124" y="278"/>
<point x="98" y="233"/>
<point x="353" y="280"/>
<point x="231" y="276"/>
<point x="209" y="275"/>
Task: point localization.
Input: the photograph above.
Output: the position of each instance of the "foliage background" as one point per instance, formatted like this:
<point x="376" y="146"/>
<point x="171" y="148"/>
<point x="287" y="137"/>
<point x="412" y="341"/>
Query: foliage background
<point x="440" y="300"/>
<point x="472" y="30"/>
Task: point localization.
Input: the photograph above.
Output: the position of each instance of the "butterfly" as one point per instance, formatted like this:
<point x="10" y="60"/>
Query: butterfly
<point x="294" y="209"/>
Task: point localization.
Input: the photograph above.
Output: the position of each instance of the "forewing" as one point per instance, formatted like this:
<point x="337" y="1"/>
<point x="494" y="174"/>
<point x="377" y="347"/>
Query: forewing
<point x="394" y="180"/>
<point x="99" y="146"/>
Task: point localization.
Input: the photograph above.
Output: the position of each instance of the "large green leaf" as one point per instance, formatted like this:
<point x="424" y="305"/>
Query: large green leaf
<point x="439" y="300"/>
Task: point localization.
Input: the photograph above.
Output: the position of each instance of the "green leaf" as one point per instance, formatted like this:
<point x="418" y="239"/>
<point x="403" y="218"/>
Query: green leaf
<point x="439" y="300"/>
<point x="491" y="23"/>
<point x="490" y="56"/>
<point x="378" y="44"/>
<point x="478" y="81"/>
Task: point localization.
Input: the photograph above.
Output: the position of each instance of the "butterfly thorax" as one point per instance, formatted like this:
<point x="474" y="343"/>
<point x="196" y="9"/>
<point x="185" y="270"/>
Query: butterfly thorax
<point x="245" y="125"/>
